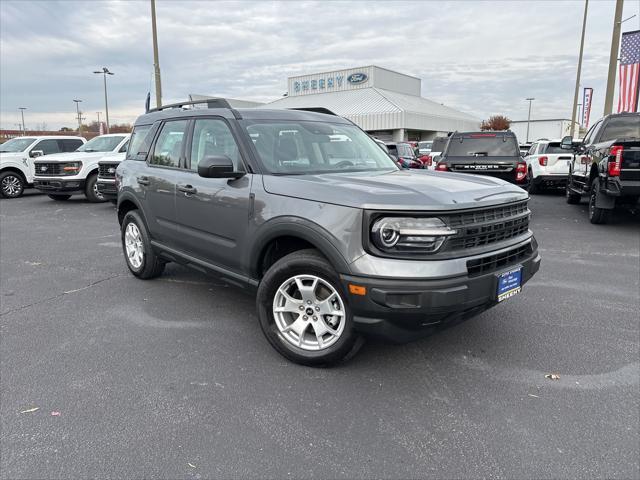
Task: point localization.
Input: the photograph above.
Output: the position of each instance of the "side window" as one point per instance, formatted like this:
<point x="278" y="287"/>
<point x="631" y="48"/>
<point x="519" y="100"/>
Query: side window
<point x="591" y="134"/>
<point x="69" y="145"/>
<point x="213" y="137"/>
<point x="138" y="144"/>
<point x="123" y="148"/>
<point x="47" y="146"/>
<point x="532" y="149"/>
<point x="168" y="147"/>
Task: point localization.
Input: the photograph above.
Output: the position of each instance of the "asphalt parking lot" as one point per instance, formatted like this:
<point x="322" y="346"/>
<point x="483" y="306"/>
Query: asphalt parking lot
<point x="172" y="378"/>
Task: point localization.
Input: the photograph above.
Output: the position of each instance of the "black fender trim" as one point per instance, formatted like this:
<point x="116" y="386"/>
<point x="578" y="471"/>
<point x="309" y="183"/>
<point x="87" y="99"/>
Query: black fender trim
<point x="295" y="227"/>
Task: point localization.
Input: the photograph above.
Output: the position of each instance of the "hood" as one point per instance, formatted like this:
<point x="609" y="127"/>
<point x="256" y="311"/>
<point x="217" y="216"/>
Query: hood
<point x="113" y="157"/>
<point x="398" y="190"/>
<point x="12" y="156"/>
<point x="70" y="156"/>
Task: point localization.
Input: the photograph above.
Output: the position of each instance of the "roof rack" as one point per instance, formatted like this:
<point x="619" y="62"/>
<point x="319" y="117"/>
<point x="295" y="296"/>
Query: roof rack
<point x="210" y="102"/>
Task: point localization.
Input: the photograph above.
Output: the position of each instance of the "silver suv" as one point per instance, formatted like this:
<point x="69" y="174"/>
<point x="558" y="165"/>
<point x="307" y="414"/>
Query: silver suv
<point x="306" y="209"/>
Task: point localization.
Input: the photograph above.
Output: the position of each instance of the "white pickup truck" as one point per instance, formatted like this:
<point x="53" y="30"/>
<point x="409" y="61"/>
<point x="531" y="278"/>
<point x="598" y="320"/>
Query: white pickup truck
<point x="16" y="159"/>
<point x="66" y="174"/>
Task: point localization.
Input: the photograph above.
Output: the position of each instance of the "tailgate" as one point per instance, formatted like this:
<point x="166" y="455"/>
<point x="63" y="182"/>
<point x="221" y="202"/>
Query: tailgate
<point x="630" y="168"/>
<point x="559" y="163"/>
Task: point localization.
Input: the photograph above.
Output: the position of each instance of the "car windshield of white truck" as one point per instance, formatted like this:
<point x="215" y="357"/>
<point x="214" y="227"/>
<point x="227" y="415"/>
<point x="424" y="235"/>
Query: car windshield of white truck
<point x="16" y="145"/>
<point x="101" y="144"/>
<point x="299" y="147"/>
<point x="627" y="126"/>
<point x="483" y="145"/>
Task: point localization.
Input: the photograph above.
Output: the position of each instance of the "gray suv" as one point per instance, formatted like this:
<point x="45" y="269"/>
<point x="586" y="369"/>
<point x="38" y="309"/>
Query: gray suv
<point x="308" y="211"/>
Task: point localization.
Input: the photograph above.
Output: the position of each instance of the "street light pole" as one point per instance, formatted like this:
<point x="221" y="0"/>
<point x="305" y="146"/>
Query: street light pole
<point x="613" y="58"/>
<point x="577" y="89"/>
<point x="105" y="71"/>
<point x="24" y="129"/>
<point x="78" y="114"/>
<point x="531" y="99"/>
<point x="156" y="60"/>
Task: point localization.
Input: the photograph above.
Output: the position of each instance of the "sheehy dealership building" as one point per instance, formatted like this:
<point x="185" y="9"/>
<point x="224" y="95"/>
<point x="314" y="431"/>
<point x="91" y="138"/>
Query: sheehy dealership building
<point x="385" y="103"/>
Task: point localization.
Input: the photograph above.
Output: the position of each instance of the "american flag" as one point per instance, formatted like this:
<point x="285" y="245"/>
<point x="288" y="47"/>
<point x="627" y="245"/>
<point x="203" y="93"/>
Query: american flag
<point x="629" y="72"/>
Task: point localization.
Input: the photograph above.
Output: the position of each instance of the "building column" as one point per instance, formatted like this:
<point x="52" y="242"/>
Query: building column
<point x="398" y="135"/>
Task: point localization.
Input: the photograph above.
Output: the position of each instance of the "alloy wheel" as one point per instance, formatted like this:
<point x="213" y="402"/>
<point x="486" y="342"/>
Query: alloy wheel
<point x="133" y="245"/>
<point x="11" y="186"/>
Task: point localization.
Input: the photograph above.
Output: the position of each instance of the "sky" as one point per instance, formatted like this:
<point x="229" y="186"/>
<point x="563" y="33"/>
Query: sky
<point x="483" y="58"/>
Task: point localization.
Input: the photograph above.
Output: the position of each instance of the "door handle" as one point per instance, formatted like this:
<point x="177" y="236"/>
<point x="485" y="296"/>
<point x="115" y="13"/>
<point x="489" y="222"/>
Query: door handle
<point x="187" y="189"/>
<point x="143" y="180"/>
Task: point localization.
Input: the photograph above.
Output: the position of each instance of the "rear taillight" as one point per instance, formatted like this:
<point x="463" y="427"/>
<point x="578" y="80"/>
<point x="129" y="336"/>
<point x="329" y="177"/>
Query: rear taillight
<point x="426" y="160"/>
<point x="543" y="161"/>
<point x="442" y="167"/>
<point x="584" y="160"/>
<point x="521" y="171"/>
<point x="615" y="160"/>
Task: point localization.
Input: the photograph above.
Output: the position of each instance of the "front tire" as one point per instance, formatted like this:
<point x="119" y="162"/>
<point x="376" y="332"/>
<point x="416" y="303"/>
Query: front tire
<point x="597" y="215"/>
<point x="136" y="245"/>
<point x="11" y="185"/>
<point x="303" y="310"/>
<point x="91" y="190"/>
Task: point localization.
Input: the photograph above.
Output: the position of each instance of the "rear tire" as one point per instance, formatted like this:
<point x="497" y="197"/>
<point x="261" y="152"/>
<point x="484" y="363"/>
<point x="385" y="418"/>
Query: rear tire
<point x="597" y="215"/>
<point x="59" y="198"/>
<point x="91" y="190"/>
<point x="533" y="187"/>
<point x="136" y="245"/>
<point x="304" y="311"/>
<point x="11" y="184"/>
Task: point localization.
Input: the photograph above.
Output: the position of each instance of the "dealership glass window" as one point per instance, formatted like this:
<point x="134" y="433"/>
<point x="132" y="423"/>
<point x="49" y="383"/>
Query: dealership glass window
<point x="213" y="137"/>
<point x="298" y="147"/>
<point x="168" y="147"/>
<point x="48" y="146"/>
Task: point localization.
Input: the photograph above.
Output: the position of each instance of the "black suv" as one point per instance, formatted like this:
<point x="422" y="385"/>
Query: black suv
<point x="336" y="239"/>
<point x="606" y="166"/>
<point x="485" y="153"/>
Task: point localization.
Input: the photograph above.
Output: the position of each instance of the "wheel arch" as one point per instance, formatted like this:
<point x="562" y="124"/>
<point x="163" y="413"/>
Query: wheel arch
<point x="15" y="170"/>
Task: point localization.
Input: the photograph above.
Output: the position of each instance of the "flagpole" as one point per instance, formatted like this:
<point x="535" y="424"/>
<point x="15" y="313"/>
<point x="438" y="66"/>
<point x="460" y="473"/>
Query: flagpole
<point x="577" y="89"/>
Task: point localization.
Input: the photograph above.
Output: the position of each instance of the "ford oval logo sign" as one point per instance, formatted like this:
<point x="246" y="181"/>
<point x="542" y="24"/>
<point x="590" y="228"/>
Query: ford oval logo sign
<point x="356" y="78"/>
<point x="43" y="168"/>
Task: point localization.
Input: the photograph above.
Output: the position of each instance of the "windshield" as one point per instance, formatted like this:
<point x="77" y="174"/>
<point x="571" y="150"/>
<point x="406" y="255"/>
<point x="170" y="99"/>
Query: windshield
<point x="424" y="145"/>
<point x="483" y="146"/>
<point x="622" y="127"/>
<point x="300" y="147"/>
<point x="16" y="144"/>
<point x="101" y="144"/>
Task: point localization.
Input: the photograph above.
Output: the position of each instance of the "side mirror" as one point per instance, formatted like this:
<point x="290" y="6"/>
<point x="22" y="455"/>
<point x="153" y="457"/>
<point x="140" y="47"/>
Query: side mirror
<point x="566" y="143"/>
<point x="217" y="166"/>
<point x="36" y="153"/>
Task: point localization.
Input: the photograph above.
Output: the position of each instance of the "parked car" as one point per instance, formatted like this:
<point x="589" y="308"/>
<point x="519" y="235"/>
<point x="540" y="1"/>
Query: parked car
<point x="424" y="147"/>
<point x="406" y="156"/>
<point x="525" y="148"/>
<point x="485" y="153"/>
<point x="333" y="249"/>
<point x="606" y="166"/>
<point x="106" y="183"/>
<point x="16" y="159"/>
<point x="66" y="174"/>
<point x="547" y="165"/>
<point x="437" y="147"/>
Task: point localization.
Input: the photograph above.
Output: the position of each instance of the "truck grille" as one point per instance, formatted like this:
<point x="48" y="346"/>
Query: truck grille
<point x="103" y="170"/>
<point x="485" y="227"/>
<point x="43" y="169"/>
<point x="494" y="262"/>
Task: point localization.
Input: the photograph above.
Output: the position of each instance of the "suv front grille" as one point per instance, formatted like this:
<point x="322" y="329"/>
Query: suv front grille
<point x="43" y="169"/>
<point x="103" y="170"/>
<point x="485" y="227"/>
<point x="494" y="262"/>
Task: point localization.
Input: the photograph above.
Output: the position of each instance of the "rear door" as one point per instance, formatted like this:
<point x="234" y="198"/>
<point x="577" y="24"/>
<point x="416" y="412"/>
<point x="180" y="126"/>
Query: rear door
<point x="213" y="213"/>
<point x="158" y="180"/>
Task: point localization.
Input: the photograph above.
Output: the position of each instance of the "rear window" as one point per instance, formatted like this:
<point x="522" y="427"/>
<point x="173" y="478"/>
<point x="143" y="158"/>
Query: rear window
<point x="553" y="148"/>
<point x="439" y="143"/>
<point x="483" y="146"/>
<point x="405" y="150"/>
<point x="621" y="127"/>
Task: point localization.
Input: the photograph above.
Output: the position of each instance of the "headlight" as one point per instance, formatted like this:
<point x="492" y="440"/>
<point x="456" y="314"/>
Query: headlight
<point x="71" y="168"/>
<point x="406" y="235"/>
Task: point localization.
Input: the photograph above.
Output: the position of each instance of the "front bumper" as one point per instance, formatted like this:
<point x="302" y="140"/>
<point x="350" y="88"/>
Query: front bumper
<point x="404" y="310"/>
<point x="107" y="187"/>
<point x="59" y="185"/>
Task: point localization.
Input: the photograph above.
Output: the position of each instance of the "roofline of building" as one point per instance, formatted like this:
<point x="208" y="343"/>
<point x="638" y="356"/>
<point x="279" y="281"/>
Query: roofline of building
<point x="355" y="68"/>
<point x="544" y="120"/>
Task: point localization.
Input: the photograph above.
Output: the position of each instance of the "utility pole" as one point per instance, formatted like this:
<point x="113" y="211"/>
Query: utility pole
<point x="79" y="116"/>
<point x="531" y="99"/>
<point x="156" y="60"/>
<point x="98" y="117"/>
<point x="613" y="57"/>
<point x="105" y="71"/>
<point x="24" y="129"/>
<point x="575" y="94"/>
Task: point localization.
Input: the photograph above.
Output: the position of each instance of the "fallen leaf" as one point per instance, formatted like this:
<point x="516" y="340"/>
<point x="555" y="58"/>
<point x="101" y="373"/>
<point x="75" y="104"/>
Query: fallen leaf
<point x="191" y="465"/>
<point x="552" y="376"/>
<point x="30" y="410"/>
<point x="55" y="414"/>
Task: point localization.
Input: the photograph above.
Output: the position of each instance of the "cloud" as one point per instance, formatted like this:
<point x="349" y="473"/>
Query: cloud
<point x="481" y="57"/>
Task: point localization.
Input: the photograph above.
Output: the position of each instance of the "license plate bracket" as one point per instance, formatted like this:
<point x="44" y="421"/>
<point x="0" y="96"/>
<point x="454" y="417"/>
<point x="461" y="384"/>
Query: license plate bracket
<point x="509" y="283"/>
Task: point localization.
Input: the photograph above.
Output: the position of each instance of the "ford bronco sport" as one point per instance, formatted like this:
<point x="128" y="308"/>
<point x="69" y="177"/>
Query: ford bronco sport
<point x="336" y="247"/>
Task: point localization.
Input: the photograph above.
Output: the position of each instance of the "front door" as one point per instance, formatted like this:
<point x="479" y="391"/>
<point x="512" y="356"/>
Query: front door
<point x="213" y="213"/>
